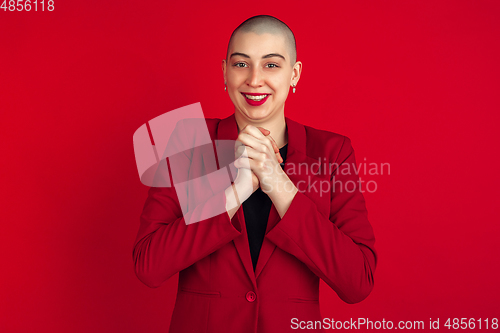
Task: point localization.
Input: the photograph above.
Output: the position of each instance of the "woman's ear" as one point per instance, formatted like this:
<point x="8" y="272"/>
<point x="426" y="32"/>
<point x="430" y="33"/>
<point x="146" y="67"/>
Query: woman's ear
<point x="224" y="69"/>
<point x="297" y="70"/>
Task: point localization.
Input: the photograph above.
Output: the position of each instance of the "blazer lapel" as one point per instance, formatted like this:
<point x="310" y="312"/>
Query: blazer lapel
<point x="228" y="130"/>
<point x="308" y="181"/>
<point x="296" y="155"/>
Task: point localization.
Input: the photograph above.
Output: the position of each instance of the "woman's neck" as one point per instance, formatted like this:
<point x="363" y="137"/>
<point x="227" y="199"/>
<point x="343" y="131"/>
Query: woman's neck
<point x="276" y="125"/>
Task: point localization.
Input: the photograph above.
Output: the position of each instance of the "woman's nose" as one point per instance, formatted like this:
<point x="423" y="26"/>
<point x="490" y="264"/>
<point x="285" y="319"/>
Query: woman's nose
<point x="255" y="78"/>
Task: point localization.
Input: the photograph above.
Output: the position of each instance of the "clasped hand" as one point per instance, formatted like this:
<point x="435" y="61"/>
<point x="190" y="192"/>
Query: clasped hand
<point x="258" y="157"/>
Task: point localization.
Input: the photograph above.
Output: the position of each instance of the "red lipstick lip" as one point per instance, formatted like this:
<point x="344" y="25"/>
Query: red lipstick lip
<point x="254" y="94"/>
<point x="255" y="103"/>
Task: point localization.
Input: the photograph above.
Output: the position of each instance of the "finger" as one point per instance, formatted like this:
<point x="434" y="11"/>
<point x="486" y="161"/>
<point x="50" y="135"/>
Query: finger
<point x="246" y="163"/>
<point x="264" y="131"/>
<point x="242" y="162"/>
<point x="251" y="153"/>
<point x="241" y="151"/>
<point x="258" y="133"/>
<point x="237" y="144"/>
<point x="279" y="158"/>
<point x="276" y="149"/>
<point x="250" y="129"/>
<point x="267" y="134"/>
<point x="257" y="144"/>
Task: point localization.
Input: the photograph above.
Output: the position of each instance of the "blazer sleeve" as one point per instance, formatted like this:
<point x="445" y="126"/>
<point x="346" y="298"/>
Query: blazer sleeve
<point x="165" y="244"/>
<point x="339" y="249"/>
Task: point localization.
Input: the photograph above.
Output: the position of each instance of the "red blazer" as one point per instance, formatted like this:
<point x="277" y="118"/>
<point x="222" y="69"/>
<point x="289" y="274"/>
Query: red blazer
<point x="324" y="234"/>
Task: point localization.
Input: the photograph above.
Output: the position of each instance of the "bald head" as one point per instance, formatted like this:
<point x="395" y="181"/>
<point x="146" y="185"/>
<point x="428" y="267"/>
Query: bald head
<point x="261" y="24"/>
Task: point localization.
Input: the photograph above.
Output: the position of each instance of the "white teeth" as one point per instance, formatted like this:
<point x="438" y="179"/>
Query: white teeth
<point x="256" y="98"/>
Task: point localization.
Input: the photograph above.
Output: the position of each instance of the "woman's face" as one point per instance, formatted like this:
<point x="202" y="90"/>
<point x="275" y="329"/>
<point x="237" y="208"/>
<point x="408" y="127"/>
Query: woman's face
<point x="258" y="74"/>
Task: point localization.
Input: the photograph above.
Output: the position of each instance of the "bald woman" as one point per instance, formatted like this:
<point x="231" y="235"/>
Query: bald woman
<point x="257" y="266"/>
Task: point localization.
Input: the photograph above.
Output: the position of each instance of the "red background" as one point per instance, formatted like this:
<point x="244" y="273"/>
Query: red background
<point x="412" y="83"/>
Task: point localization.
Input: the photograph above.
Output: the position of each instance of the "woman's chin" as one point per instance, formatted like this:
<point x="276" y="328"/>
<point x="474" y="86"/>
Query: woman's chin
<point x="257" y="113"/>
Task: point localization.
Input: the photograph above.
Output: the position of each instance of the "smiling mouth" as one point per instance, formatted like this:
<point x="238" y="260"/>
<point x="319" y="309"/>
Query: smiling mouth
<point x="256" y="98"/>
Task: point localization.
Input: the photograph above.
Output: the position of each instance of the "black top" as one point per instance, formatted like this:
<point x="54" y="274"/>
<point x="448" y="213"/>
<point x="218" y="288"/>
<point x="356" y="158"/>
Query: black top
<point x="256" y="210"/>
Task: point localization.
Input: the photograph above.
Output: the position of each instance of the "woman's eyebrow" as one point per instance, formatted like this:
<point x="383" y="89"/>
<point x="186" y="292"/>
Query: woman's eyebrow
<point x="270" y="55"/>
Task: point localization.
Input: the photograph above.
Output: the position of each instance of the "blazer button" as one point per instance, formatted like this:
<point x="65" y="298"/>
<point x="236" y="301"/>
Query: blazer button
<point x="251" y="296"/>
